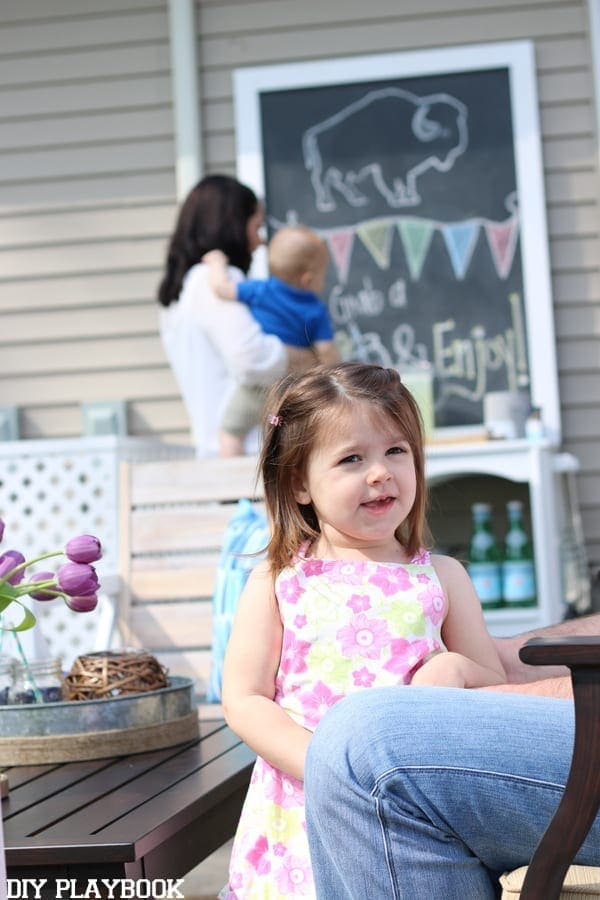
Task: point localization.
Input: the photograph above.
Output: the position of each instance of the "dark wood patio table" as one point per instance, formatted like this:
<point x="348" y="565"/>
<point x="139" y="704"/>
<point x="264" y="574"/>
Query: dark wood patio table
<point x="148" y="815"/>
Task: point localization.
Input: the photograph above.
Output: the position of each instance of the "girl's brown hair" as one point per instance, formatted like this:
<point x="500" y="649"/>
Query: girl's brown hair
<point x="300" y="406"/>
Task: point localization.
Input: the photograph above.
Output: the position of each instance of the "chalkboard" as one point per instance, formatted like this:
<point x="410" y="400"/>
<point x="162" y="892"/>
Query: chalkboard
<point x="409" y="169"/>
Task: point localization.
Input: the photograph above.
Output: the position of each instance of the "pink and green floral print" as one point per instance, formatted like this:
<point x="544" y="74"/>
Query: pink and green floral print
<point x="347" y="626"/>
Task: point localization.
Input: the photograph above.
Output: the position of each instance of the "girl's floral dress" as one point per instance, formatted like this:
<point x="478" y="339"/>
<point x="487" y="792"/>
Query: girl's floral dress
<point x="346" y="626"/>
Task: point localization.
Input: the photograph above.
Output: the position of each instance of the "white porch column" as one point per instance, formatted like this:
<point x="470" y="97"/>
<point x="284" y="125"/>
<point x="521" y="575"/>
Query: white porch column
<point x="186" y="94"/>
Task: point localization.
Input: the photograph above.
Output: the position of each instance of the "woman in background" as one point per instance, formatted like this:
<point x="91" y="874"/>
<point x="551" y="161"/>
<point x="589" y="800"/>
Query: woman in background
<point x="212" y="344"/>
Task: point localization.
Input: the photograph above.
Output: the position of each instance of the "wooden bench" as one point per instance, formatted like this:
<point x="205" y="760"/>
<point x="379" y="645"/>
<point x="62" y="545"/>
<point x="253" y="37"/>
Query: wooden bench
<point x="173" y="515"/>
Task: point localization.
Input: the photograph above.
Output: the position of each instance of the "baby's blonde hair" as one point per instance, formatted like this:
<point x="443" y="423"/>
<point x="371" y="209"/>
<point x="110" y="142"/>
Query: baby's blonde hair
<point x="293" y="251"/>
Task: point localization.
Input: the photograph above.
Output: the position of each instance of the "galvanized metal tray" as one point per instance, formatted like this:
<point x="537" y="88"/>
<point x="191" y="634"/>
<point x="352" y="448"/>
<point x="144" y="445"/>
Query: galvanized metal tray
<point x="94" y="729"/>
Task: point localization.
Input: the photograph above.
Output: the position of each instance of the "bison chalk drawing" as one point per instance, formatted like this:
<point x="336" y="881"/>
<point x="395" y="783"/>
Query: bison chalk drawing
<point x="382" y="129"/>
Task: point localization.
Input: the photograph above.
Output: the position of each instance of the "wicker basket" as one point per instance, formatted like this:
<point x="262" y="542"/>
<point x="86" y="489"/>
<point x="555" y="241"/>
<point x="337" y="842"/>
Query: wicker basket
<point x="113" y="674"/>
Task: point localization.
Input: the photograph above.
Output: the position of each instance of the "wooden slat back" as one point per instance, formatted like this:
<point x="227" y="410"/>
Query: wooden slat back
<point x="194" y="481"/>
<point x="177" y="529"/>
<point x="173" y="515"/>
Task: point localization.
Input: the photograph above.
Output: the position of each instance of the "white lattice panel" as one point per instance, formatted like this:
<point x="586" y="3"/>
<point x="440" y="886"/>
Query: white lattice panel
<point x="51" y="491"/>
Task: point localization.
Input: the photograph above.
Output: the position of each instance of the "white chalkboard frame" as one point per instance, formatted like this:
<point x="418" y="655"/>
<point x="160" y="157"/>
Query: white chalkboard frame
<point x="518" y="58"/>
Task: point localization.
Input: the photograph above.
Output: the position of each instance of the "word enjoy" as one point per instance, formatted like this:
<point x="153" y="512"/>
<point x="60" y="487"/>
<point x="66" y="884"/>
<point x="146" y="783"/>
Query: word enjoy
<point x="470" y="359"/>
<point x="110" y="888"/>
<point x="461" y="363"/>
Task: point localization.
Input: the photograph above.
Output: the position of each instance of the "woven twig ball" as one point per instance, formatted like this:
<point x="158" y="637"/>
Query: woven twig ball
<point x="112" y="674"/>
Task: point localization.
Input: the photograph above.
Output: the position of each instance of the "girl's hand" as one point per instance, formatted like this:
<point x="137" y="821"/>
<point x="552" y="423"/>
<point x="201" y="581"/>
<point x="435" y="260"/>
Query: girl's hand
<point x="442" y="670"/>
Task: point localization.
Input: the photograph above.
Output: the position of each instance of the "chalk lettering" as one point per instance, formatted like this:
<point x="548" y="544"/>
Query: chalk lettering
<point x="470" y="359"/>
<point x="397" y="294"/>
<point x="519" y="327"/>
<point x="344" y="308"/>
<point x="368" y="347"/>
<point x="407" y="350"/>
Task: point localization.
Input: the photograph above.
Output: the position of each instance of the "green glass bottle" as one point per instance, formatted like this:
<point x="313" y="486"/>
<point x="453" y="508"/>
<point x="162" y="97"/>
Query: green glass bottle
<point x="484" y="558"/>
<point x="518" y="569"/>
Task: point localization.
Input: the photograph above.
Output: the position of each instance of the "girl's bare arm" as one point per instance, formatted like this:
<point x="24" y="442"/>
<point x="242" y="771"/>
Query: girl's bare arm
<point x="472" y="660"/>
<point x="251" y="663"/>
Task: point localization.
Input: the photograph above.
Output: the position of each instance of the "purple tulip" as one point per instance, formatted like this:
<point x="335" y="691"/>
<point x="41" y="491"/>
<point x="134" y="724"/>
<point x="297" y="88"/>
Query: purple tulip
<point x="8" y="561"/>
<point x="82" y="604"/>
<point x="47" y="593"/>
<point x="84" y="549"/>
<point x="77" y="579"/>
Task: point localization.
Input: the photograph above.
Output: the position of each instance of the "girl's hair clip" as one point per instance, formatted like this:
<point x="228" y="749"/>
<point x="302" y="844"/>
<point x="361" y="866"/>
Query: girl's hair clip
<point x="277" y="421"/>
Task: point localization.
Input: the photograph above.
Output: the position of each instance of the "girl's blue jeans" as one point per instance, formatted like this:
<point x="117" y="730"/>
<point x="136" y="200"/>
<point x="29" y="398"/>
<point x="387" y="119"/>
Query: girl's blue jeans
<point x="420" y="793"/>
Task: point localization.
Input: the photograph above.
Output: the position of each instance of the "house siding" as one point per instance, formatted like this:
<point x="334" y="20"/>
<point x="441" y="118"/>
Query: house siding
<point x="87" y="188"/>
<point x="87" y="184"/>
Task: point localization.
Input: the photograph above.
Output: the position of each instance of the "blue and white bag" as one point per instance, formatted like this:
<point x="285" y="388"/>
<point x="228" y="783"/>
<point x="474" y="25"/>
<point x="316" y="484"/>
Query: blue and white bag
<point x="246" y="535"/>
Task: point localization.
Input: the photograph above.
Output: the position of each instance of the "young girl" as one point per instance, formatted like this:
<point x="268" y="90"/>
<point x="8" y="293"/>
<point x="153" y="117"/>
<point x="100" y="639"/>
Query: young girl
<point x="347" y="598"/>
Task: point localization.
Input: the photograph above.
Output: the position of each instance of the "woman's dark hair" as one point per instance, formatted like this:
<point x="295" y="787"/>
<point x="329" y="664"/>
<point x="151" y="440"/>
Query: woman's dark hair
<point x="213" y="216"/>
<point x="304" y="407"/>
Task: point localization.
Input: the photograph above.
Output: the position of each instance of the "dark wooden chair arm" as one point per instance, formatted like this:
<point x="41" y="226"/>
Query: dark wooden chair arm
<point x="562" y="651"/>
<point x="578" y="807"/>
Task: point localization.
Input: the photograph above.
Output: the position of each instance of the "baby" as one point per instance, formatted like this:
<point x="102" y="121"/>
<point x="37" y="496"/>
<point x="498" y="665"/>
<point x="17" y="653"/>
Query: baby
<point x="285" y="304"/>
